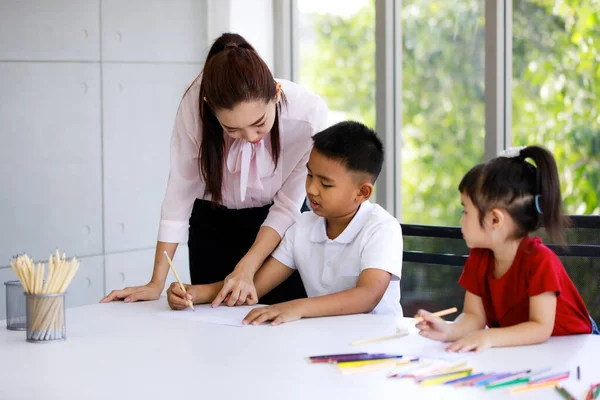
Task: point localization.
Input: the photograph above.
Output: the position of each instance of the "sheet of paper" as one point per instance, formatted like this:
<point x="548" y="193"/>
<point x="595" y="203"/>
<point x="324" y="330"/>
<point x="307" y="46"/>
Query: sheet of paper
<point x="222" y="315"/>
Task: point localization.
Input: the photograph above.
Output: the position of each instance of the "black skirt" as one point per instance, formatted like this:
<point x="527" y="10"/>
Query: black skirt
<point x="219" y="238"/>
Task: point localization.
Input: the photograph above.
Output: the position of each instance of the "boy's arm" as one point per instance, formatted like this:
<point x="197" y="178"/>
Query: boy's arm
<point x="270" y="275"/>
<point x="370" y="288"/>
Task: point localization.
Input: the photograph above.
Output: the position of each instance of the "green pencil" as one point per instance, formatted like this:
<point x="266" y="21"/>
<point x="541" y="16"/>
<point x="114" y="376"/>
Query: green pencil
<point x="563" y="392"/>
<point x="509" y="383"/>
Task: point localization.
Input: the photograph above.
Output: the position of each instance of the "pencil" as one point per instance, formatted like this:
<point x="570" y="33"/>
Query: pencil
<point x="439" y="313"/>
<point x="379" y="339"/>
<point x="563" y="392"/>
<point x="179" y="281"/>
<point x="578" y="373"/>
<point x="534" y="386"/>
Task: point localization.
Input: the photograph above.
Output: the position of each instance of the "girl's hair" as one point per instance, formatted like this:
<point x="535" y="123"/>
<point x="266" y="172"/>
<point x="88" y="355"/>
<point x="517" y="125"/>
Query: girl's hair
<point x="529" y="193"/>
<point x="233" y="73"/>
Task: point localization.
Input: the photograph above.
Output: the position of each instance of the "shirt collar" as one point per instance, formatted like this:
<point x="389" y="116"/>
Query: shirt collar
<point x="318" y="232"/>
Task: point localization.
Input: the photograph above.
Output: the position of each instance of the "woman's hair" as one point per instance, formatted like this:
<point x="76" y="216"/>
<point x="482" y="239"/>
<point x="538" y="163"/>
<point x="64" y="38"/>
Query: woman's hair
<point x="233" y="73"/>
<point x="529" y="193"/>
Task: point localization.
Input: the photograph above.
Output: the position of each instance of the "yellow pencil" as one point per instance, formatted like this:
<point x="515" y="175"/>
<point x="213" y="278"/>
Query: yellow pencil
<point x="374" y="367"/>
<point x="442" y="379"/>
<point x="352" y="364"/>
<point x="179" y="281"/>
<point x="534" y="386"/>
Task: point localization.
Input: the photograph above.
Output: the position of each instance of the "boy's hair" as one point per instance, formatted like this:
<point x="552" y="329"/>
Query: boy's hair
<point x="529" y="193"/>
<point x="356" y="146"/>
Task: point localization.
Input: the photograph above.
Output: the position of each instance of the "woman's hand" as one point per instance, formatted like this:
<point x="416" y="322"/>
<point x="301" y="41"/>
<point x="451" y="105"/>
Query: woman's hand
<point x="150" y="291"/>
<point x="238" y="288"/>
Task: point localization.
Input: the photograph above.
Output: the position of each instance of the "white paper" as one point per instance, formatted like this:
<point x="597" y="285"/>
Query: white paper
<point x="222" y="315"/>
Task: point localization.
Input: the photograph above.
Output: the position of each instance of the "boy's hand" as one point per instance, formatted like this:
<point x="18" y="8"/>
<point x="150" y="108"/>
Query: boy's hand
<point x="278" y="313"/>
<point x="474" y="341"/>
<point x="433" y="327"/>
<point x="177" y="298"/>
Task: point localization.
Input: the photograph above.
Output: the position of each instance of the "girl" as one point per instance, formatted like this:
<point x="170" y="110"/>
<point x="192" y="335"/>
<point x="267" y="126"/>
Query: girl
<point x="514" y="284"/>
<point x="238" y="164"/>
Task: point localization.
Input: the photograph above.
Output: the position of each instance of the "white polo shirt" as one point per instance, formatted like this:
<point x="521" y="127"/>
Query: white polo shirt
<point x="373" y="239"/>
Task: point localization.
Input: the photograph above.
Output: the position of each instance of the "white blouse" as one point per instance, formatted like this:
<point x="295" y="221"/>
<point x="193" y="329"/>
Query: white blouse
<point x="248" y="176"/>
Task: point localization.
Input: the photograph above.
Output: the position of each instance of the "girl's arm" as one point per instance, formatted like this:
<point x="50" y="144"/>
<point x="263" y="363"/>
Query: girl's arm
<point x="542" y="312"/>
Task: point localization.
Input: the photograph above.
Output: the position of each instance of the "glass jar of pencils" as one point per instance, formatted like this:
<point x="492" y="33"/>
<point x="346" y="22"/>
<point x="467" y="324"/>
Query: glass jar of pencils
<point x="15" y="306"/>
<point x="45" y="317"/>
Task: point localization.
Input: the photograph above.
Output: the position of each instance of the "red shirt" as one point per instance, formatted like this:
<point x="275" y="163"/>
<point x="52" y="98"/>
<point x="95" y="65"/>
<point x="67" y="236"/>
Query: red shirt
<point x="535" y="270"/>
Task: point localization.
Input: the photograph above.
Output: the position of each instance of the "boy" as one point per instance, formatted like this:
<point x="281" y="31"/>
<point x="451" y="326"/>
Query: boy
<point x="348" y="251"/>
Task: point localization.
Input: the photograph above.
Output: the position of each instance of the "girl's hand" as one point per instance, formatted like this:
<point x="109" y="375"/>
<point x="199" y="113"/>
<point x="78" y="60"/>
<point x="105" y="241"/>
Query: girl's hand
<point x="474" y="341"/>
<point x="433" y="327"/>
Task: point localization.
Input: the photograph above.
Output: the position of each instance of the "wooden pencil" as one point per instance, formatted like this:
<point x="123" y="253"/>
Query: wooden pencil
<point x="179" y="281"/>
<point x="439" y="313"/>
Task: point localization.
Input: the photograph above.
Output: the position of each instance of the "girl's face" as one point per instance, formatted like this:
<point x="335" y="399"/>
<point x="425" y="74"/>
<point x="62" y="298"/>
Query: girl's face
<point x="474" y="234"/>
<point x="250" y="121"/>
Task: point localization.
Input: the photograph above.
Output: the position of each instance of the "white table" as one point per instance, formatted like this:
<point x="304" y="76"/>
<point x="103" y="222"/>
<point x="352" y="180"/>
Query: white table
<point x="124" y="351"/>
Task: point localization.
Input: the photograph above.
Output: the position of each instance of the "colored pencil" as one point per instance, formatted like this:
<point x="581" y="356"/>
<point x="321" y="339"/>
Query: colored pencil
<point x="360" y="363"/>
<point x="553" y="377"/>
<point x="371" y="357"/>
<point x="328" y="356"/>
<point x="534" y="386"/>
<point x="563" y="392"/>
<point x="376" y="366"/>
<point x="446" y="378"/>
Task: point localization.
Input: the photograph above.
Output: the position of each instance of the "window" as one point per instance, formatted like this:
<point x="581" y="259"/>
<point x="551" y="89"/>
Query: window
<point x="443" y="107"/>
<point x="336" y="40"/>
<point x="555" y="92"/>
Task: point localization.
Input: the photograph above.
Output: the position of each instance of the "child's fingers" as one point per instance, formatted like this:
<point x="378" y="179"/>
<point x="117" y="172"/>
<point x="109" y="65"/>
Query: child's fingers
<point x="280" y="319"/>
<point x="268" y="315"/>
<point x="176" y="290"/>
<point x="252" y="315"/>
<point x="421" y="313"/>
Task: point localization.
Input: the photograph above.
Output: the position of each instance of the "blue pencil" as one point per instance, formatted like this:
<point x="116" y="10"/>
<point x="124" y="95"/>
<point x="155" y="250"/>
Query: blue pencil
<point x="466" y="378"/>
<point x="501" y="375"/>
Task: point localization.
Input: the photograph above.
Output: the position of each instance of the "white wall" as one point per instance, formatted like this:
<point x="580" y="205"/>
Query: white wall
<point x="89" y="92"/>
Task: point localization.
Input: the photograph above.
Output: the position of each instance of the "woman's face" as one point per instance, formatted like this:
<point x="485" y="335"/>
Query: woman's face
<point x="250" y="121"/>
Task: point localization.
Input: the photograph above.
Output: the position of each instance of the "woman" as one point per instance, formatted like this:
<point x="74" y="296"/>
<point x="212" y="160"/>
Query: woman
<point x="238" y="167"/>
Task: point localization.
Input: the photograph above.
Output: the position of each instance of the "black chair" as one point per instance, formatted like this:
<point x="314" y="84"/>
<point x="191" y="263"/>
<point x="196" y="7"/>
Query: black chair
<point x="434" y="257"/>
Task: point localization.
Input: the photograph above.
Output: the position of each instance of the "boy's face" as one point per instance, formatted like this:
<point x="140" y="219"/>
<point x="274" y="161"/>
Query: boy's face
<point x="332" y="190"/>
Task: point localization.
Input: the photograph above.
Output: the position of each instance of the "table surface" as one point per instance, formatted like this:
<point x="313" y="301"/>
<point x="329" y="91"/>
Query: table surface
<point x="120" y="350"/>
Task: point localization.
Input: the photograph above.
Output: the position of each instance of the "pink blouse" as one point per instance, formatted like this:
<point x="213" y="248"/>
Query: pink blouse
<point x="249" y="179"/>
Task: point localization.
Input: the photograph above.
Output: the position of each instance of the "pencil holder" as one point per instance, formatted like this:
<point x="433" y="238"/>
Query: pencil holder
<point x="45" y="317"/>
<point x="15" y="306"/>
